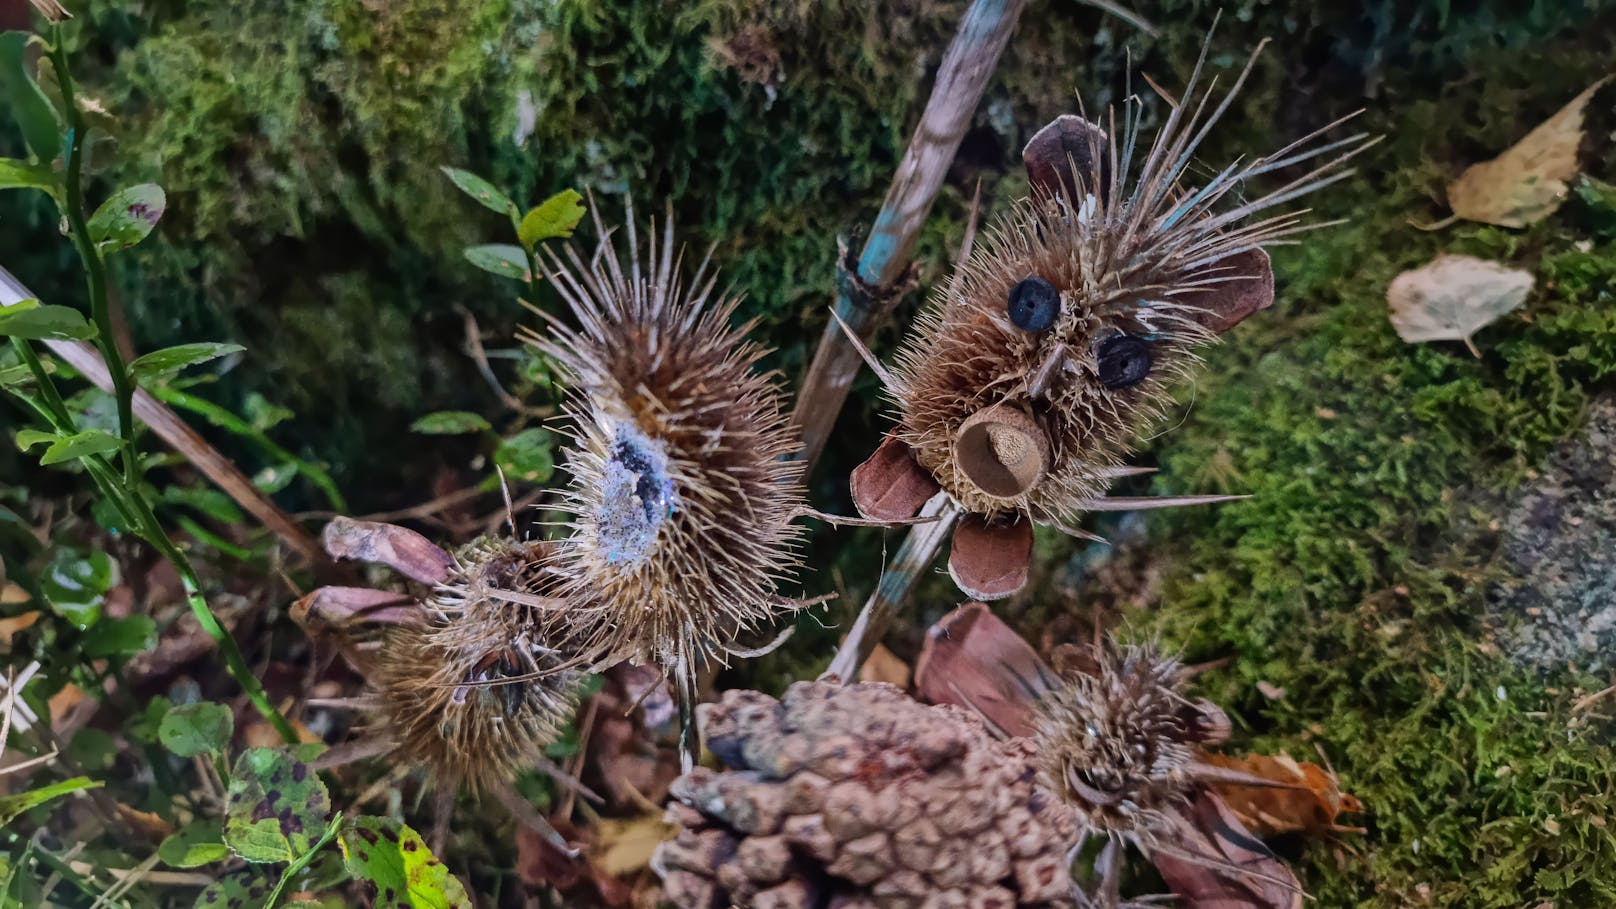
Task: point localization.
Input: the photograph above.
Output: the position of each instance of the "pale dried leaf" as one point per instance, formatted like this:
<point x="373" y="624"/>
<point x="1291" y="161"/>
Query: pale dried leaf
<point x="1453" y="297"/>
<point x="1527" y="182"/>
<point x="624" y="847"/>
<point x="885" y="666"/>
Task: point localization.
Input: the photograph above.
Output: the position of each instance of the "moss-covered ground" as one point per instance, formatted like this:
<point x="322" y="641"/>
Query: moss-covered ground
<point x="299" y="143"/>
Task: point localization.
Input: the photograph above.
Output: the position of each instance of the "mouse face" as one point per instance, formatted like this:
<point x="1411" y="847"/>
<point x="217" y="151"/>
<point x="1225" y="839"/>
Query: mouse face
<point x="1031" y="374"/>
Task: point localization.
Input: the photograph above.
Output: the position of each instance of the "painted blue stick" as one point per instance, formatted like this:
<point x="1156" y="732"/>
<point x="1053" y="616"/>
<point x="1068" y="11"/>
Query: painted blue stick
<point x="868" y="289"/>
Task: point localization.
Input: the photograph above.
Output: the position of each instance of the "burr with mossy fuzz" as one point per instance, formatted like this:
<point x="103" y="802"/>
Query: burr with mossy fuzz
<point x="681" y="499"/>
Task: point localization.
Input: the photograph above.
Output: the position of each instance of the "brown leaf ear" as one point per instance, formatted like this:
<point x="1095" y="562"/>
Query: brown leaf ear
<point x="1070" y="157"/>
<point x="1223" y="865"/>
<point x="890" y="485"/>
<point x="399" y="548"/>
<point x="974" y="660"/>
<point x="1246" y="285"/>
<point x="989" y="561"/>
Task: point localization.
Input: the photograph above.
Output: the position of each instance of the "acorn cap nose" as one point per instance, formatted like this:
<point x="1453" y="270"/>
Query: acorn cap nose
<point x="1002" y="450"/>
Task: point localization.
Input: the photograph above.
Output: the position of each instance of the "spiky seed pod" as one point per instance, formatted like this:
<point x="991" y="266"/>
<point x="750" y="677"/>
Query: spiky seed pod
<point x="681" y="505"/>
<point x="1117" y="742"/>
<point x="844" y="797"/>
<point x="1032" y="372"/>
<point x="473" y="694"/>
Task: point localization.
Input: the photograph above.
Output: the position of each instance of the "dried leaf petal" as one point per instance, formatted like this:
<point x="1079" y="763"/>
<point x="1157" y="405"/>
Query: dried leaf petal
<point x="974" y="660"/>
<point x="1274" y="811"/>
<point x="1527" y="182"/>
<point x="399" y="548"/>
<point x="884" y="666"/>
<point x="1246" y="874"/>
<point x="1453" y="297"/>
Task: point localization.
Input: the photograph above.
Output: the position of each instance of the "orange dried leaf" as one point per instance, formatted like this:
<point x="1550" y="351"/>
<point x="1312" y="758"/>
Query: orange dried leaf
<point x="1527" y="182"/>
<point x="885" y="666"/>
<point x="1313" y="808"/>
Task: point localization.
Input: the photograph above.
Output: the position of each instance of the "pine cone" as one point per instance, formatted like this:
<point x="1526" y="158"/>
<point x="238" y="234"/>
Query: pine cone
<point x="859" y="796"/>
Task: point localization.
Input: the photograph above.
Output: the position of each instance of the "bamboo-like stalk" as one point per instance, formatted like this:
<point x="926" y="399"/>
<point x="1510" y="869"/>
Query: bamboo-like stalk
<point x="867" y="294"/>
<point x="916" y="554"/>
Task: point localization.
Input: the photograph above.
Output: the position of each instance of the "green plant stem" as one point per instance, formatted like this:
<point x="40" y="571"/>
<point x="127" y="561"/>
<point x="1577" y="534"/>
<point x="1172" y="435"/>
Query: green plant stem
<point x="229" y="422"/>
<point x="125" y="491"/>
<point x="302" y="861"/>
<point x="95" y="271"/>
<point x="56" y="863"/>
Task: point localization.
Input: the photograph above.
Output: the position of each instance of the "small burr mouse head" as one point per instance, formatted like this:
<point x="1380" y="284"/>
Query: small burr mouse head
<point x="1037" y="365"/>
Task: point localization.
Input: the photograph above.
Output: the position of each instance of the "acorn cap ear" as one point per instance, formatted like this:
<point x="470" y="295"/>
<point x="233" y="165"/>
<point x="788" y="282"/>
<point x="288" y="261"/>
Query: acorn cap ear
<point x="1070" y="157"/>
<point x="989" y="561"/>
<point x="890" y="485"/>
<point x="1245" y="285"/>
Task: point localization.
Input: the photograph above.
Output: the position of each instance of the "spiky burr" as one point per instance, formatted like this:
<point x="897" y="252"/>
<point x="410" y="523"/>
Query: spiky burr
<point x="472" y="693"/>
<point x="681" y="500"/>
<point x="1034" y="369"/>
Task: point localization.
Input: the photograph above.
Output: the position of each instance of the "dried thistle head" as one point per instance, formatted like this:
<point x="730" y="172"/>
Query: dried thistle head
<point x="1032" y="372"/>
<point x="1117" y="741"/>
<point x="681" y="503"/>
<point x="472" y="694"/>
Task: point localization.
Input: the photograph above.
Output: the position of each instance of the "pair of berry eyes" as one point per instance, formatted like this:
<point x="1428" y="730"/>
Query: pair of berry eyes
<point x="1124" y="360"/>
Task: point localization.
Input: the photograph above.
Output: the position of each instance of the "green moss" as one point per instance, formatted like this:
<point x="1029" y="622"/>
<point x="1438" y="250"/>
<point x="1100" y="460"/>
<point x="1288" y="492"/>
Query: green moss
<point x="1356" y="578"/>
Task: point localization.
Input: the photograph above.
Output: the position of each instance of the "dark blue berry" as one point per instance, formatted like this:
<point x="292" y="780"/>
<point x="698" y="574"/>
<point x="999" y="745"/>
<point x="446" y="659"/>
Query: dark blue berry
<point x="1034" y="304"/>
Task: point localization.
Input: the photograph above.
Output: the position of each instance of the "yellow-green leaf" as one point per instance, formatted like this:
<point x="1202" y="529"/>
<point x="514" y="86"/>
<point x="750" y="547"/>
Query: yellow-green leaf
<point x="12" y="806"/>
<point x="554" y="218"/>
<point x="406" y="873"/>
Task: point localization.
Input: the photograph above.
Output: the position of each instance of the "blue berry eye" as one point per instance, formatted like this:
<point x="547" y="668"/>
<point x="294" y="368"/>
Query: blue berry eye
<point x="1033" y="304"/>
<point x="1124" y="361"/>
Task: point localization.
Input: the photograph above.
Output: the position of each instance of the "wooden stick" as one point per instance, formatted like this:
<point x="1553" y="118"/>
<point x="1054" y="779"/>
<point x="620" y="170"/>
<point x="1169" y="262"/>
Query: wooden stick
<point x="181" y="437"/>
<point x="914" y="557"/>
<point x="866" y="295"/>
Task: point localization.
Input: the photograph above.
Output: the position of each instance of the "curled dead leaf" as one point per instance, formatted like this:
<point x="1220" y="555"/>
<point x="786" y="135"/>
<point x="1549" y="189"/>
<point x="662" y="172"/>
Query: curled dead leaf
<point x="1453" y="297"/>
<point x="1313" y="807"/>
<point x="1529" y="181"/>
<point x="399" y="548"/>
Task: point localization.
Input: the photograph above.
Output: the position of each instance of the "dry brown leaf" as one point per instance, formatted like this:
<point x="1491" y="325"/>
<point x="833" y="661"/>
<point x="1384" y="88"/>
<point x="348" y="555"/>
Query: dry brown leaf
<point x="1527" y="182"/>
<point x="1267" y="812"/>
<point x="884" y="666"/>
<point x="144" y="823"/>
<point x="12" y="594"/>
<point x="624" y="847"/>
<point x="1453" y="297"/>
<point x="259" y="734"/>
<point x="16" y="623"/>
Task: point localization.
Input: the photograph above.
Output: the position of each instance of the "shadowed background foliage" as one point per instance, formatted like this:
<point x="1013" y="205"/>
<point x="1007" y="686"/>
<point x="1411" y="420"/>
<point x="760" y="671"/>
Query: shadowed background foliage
<point x="300" y="143"/>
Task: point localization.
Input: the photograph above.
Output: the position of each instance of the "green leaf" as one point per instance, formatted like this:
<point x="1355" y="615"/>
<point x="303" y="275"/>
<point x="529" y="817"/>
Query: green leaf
<point x="80" y="445"/>
<point x="192" y="729"/>
<point x="275" y="477"/>
<point x="450" y="423"/>
<point x="75" y="582"/>
<point x="28" y="438"/>
<point x="529" y="455"/>
<point x="276" y="805"/>
<point x="29" y="320"/>
<point x="210" y="502"/>
<point x="481" y="190"/>
<point x="245" y="889"/>
<point x="194" y="844"/>
<point x="121" y="637"/>
<point x="554" y="218"/>
<point x="500" y="258"/>
<point x="12" y="806"/>
<point x="41" y="128"/>
<point x="127" y="217"/>
<point x="406" y="873"/>
<point x="16" y="174"/>
<point x="163" y="363"/>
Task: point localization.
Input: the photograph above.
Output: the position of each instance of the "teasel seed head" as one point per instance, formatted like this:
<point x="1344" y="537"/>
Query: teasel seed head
<point x="1117" y="740"/>
<point x="473" y="693"/>
<point x="1033" y="371"/>
<point x="681" y="501"/>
